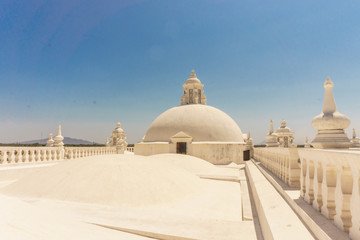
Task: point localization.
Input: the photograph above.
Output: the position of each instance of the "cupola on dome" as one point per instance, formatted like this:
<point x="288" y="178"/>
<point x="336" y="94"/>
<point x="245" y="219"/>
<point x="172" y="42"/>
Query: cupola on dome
<point x="195" y="129"/>
<point x="193" y="78"/>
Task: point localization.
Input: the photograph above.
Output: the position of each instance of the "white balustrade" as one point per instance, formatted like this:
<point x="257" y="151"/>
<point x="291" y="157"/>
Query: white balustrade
<point x="78" y="152"/>
<point x="16" y="155"/>
<point x="330" y="182"/>
<point x="283" y="162"/>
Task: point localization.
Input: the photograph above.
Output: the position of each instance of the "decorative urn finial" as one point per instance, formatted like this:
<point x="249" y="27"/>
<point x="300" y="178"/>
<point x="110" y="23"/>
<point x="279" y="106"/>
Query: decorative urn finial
<point x="271" y="137"/>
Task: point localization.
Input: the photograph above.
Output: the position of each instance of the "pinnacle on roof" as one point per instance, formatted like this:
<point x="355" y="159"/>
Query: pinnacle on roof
<point x="330" y="123"/>
<point x="193" y="78"/>
<point x="192" y="74"/>
<point x="329" y="106"/>
<point x="271" y="127"/>
<point x="354" y="133"/>
<point x="328" y="83"/>
<point x="283" y="123"/>
<point x="59" y="131"/>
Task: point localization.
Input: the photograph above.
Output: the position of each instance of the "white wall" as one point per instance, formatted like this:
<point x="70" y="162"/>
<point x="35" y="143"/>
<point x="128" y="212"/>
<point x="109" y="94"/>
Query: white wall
<point x="216" y="153"/>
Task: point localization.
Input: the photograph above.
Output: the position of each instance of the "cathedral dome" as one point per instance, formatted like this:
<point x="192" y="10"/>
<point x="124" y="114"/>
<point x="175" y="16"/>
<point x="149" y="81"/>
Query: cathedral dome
<point x="203" y="123"/>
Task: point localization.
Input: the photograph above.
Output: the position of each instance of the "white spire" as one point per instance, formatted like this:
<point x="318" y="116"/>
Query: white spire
<point x="330" y="123"/>
<point x="355" y="141"/>
<point x="58" y="140"/>
<point x="59" y="131"/>
<point x="271" y="127"/>
<point x="354" y="133"/>
<point x="192" y="74"/>
<point x="329" y="101"/>
<point x="271" y="137"/>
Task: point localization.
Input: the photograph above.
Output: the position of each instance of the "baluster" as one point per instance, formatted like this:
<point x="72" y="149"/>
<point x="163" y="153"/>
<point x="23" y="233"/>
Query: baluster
<point x="303" y="177"/>
<point x="5" y="156"/>
<point x="57" y="154"/>
<point x="22" y="156"/>
<point x="344" y="220"/>
<point x="309" y="197"/>
<point x="328" y="209"/>
<point x="278" y="165"/>
<point x="2" y="157"/>
<point x="281" y="160"/>
<point x="42" y="155"/>
<point x="283" y="166"/>
<point x="36" y="155"/>
<point x="47" y="155"/>
<point x="17" y="155"/>
<point x="288" y="170"/>
<point x="318" y="180"/>
<point x="354" y="231"/>
<point x="30" y="155"/>
<point x="8" y="156"/>
<point x="68" y="154"/>
<point x="52" y="154"/>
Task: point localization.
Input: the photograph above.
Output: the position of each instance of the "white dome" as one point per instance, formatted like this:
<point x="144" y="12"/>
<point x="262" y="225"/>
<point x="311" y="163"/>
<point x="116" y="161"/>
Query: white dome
<point x="203" y="123"/>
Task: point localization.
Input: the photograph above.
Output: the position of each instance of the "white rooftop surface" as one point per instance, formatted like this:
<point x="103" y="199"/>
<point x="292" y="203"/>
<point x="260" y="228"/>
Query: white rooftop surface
<point x="106" y="197"/>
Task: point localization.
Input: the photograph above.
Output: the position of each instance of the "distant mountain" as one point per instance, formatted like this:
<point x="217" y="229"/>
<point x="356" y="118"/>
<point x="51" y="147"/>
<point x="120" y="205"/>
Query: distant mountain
<point x="67" y="140"/>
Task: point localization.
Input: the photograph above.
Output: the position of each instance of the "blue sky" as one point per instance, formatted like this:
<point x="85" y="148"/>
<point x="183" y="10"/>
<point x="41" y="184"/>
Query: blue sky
<point x="87" y="64"/>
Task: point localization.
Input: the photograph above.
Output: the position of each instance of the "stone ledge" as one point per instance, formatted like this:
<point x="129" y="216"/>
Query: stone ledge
<point x="277" y="218"/>
<point x="321" y="227"/>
